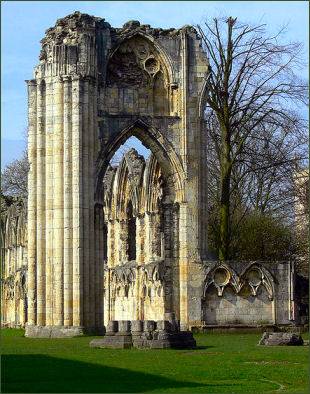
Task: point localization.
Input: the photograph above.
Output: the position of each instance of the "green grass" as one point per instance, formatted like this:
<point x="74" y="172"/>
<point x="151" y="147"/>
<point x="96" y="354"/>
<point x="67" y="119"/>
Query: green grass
<point x="223" y="363"/>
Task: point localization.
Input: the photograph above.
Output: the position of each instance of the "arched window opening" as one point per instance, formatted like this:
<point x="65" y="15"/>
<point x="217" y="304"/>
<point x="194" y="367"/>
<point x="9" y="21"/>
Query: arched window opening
<point x="160" y="97"/>
<point x="131" y="233"/>
<point x="132" y="142"/>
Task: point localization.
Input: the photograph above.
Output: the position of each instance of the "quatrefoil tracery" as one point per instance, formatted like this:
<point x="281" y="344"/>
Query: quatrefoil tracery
<point x="254" y="276"/>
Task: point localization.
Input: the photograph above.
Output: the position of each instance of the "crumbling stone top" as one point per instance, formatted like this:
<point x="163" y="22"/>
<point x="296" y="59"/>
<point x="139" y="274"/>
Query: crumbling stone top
<point x="68" y="26"/>
<point x="135" y="26"/>
<point x="66" y="29"/>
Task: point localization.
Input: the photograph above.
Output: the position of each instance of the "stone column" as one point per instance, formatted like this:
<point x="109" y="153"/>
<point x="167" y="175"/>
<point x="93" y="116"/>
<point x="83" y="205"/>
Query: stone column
<point x="32" y="200"/>
<point x="91" y="186"/>
<point x="99" y="292"/>
<point x="98" y="260"/>
<point x="77" y="203"/>
<point x="58" y="239"/>
<point x="41" y="91"/>
<point x="49" y="200"/>
<point x="67" y="175"/>
<point x="85" y="206"/>
<point x="183" y="264"/>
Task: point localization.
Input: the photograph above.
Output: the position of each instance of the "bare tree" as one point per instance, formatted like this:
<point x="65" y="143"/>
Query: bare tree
<point x="14" y="178"/>
<point x="251" y="81"/>
<point x="263" y="181"/>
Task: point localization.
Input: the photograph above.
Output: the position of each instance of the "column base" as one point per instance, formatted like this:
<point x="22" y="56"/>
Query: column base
<point x="33" y="331"/>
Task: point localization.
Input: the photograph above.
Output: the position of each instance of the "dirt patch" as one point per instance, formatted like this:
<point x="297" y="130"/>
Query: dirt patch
<point x="270" y="362"/>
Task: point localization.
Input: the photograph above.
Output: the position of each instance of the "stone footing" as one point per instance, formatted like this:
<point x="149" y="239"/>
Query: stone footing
<point x="147" y="334"/>
<point x="59" y="331"/>
<point x="281" y="339"/>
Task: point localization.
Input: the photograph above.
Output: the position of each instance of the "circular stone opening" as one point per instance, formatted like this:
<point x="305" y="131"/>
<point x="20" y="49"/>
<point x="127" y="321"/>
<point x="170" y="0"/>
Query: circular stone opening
<point x="151" y="65"/>
<point x="221" y="277"/>
<point x="254" y="277"/>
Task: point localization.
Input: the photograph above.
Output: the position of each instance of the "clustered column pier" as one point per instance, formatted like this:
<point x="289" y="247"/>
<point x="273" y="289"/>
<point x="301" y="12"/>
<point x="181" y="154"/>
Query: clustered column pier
<point x="64" y="273"/>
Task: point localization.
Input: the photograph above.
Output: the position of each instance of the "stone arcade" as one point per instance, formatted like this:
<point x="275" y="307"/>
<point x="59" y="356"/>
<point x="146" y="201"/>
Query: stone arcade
<point x="129" y="243"/>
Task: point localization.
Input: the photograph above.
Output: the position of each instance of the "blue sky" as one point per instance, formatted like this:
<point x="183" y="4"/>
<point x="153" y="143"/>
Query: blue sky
<point x="23" y="24"/>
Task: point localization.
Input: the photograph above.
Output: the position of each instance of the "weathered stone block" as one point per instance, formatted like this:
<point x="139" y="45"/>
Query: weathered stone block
<point x="149" y="325"/>
<point x="281" y="339"/>
<point x="112" y="327"/>
<point x="163" y="325"/>
<point x="136" y="326"/>
<point x="123" y="327"/>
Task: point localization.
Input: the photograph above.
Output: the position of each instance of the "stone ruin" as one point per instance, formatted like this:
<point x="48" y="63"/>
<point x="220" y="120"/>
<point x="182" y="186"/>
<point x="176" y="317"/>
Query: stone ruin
<point x="97" y="245"/>
<point x="163" y="334"/>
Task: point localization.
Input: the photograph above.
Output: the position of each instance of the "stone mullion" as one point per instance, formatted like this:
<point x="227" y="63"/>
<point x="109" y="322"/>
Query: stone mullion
<point x="117" y="242"/>
<point x="67" y="174"/>
<point x="32" y="201"/>
<point x="125" y="240"/>
<point x="58" y="228"/>
<point x="151" y="235"/>
<point x="92" y="255"/>
<point x="147" y="245"/>
<point x="85" y="206"/>
<point x="139" y="239"/>
<point x="49" y="199"/>
<point x="111" y="244"/>
<point x="77" y="213"/>
<point x="41" y="261"/>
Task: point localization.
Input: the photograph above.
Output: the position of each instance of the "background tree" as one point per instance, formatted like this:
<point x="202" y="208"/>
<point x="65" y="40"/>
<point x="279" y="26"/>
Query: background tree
<point x="251" y="89"/>
<point x="14" y="178"/>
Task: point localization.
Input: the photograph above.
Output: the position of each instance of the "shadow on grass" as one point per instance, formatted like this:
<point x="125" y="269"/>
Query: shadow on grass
<point x="203" y="347"/>
<point x="44" y="374"/>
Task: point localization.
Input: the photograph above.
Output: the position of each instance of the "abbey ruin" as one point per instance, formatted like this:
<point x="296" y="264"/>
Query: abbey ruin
<point x="100" y="243"/>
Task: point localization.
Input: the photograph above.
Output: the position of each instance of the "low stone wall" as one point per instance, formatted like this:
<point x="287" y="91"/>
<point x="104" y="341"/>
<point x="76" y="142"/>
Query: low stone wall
<point x="242" y="293"/>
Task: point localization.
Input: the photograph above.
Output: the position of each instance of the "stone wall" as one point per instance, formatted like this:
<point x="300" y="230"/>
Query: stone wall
<point x="13" y="262"/>
<point x="242" y="308"/>
<point x="251" y="293"/>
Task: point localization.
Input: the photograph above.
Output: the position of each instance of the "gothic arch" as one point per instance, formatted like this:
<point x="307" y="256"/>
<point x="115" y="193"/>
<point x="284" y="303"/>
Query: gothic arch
<point x="261" y="277"/>
<point x="159" y="146"/>
<point x="227" y="276"/>
<point x="163" y="55"/>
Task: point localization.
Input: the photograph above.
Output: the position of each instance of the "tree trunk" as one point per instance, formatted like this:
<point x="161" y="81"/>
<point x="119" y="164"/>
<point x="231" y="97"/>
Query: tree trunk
<point x="226" y="166"/>
<point x="224" y="216"/>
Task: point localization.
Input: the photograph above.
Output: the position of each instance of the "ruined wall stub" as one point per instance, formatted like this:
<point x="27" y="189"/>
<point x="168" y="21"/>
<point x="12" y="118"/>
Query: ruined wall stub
<point x="93" y="88"/>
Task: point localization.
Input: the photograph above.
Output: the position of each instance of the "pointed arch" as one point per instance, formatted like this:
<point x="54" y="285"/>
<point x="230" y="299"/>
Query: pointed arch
<point x="265" y="278"/>
<point x="161" y="148"/>
<point x="164" y="56"/>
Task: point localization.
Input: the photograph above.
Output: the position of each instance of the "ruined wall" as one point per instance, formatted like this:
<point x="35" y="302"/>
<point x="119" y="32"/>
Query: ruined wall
<point x="249" y="293"/>
<point x="94" y="87"/>
<point x="13" y="262"/>
<point x="138" y="285"/>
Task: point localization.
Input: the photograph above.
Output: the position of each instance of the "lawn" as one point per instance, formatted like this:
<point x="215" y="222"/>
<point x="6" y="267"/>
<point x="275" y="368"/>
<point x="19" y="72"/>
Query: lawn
<point x="223" y="363"/>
